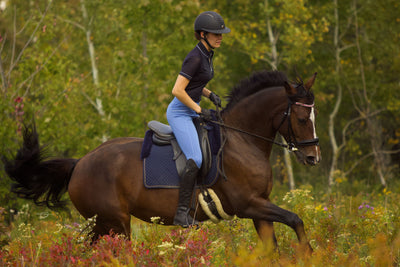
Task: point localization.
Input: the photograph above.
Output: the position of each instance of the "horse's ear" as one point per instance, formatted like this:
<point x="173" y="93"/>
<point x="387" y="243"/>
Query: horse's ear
<point x="310" y="82"/>
<point x="290" y="90"/>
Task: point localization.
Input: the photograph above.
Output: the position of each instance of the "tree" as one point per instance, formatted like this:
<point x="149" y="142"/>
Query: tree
<point x="276" y="35"/>
<point x="353" y="47"/>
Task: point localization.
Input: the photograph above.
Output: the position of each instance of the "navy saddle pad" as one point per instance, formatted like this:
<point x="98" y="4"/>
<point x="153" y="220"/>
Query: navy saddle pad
<point x="159" y="168"/>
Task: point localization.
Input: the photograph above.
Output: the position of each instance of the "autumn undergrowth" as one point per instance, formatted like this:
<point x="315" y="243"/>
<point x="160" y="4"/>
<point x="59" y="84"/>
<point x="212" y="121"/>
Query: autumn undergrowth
<point x="344" y="230"/>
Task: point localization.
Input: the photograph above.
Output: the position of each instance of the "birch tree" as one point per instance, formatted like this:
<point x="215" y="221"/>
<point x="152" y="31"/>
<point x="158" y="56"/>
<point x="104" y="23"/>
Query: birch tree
<point x="275" y="35"/>
<point x="353" y="39"/>
<point x="338" y="49"/>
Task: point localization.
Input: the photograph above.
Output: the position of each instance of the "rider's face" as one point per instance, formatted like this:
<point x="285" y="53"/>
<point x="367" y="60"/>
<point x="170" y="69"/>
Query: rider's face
<point x="214" y="39"/>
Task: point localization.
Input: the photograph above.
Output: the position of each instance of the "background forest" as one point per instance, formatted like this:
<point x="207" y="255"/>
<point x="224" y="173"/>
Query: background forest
<point x="88" y="71"/>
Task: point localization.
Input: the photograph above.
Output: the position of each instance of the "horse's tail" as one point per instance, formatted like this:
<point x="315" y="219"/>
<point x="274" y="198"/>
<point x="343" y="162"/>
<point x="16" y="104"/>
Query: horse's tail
<point x="34" y="177"/>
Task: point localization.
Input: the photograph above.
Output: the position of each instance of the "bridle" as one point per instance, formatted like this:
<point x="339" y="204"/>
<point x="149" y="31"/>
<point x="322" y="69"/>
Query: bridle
<point x="292" y="144"/>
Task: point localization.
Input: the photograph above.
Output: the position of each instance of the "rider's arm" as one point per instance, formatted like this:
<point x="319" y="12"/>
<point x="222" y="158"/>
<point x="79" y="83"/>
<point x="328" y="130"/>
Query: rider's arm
<point x="179" y="92"/>
<point x="206" y="92"/>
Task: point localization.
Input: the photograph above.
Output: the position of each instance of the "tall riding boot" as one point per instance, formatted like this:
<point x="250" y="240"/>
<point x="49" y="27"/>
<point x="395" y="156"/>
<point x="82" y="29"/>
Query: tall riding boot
<point x="187" y="183"/>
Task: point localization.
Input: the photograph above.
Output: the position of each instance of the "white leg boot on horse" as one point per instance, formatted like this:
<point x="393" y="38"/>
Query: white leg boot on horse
<point x="187" y="182"/>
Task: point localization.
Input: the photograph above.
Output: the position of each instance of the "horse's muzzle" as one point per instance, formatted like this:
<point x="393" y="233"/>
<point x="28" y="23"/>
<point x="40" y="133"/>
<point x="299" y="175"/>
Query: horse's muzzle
<point x="311" y="160"/>
<point x="310" y="155"/>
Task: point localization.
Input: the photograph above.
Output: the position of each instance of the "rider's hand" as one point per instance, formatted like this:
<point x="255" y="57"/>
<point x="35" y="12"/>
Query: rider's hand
<point x="206" y="114"/>
<point x="215" y="99"/>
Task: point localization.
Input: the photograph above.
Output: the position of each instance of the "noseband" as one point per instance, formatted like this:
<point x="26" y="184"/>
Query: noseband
<point x="293" y="144"/>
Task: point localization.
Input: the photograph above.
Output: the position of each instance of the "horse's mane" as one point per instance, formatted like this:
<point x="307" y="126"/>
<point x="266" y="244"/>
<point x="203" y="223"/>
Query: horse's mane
<point x="258" y="81"/>
<point x="262" y="80"/>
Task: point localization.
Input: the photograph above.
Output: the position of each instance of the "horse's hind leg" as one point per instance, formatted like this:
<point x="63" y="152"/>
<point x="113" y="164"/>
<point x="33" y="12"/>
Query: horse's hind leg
<point x="112" y="225"/>
<point x="265" y="231"/>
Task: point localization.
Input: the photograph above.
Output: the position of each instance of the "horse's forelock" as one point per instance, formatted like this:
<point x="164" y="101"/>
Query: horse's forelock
<point x="302" y="92"/>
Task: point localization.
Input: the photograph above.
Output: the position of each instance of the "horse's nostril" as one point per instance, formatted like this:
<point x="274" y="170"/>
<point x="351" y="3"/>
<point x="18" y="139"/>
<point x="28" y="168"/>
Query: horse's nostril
<point x="311" y="160"/>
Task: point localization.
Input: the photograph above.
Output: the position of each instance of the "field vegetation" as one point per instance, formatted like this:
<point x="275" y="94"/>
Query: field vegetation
<point x="361" y="230"/>
<point x="88" y="71"/>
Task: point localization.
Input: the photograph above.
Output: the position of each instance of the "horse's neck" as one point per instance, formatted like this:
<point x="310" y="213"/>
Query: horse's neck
<point x="258" y="112"/>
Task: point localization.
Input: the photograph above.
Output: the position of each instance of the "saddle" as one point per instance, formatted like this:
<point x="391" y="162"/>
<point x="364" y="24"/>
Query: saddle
<point x="161" y="140"/>
<point x="163" y="135"/>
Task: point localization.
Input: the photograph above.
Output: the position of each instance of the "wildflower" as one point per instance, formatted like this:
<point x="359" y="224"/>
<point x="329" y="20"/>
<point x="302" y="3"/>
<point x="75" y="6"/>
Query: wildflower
<point x="43" y="215"/>
<point x="60" y="227"/>
<point x="155" y="220"/>
<point x="386" y="192"/>
<point x="166" y="245"/>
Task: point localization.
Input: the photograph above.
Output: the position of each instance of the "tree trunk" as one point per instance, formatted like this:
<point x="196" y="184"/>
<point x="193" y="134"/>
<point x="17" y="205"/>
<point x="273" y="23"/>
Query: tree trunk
<point x="332" y="116"/>
<point x="3" y="77"/>
<point x="98" y="103"/>
<point x="88" y="33"/>
<point x="274" y="65"/>
<point x="372" y="128"/>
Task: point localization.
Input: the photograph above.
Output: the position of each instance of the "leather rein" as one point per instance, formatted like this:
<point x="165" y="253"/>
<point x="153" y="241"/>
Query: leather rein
<point x="292" y="143"/>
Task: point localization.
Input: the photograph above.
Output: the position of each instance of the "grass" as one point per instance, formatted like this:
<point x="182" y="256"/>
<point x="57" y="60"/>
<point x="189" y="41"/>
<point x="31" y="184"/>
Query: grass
<point x="358" y="230"/>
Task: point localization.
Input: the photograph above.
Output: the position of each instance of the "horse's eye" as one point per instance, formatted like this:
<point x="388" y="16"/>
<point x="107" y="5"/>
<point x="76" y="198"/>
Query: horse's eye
<point x="302" y="121"/>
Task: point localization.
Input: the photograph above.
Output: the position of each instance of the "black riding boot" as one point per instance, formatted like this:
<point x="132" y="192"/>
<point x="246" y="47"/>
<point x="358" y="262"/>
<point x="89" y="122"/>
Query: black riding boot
<point x="187" y="183"/>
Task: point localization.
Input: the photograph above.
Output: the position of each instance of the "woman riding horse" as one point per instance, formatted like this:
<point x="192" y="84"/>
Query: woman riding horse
<point x="108" y="181"/>
<point x="197" y="70"/>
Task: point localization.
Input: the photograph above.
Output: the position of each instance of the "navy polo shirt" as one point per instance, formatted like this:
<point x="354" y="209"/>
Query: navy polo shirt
<point x="198" y="68"/>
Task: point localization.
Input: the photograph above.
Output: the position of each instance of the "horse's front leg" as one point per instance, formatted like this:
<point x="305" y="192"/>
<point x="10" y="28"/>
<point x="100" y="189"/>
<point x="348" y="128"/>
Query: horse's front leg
<point x="261" y="209"/>
<point x="265" y="231"/>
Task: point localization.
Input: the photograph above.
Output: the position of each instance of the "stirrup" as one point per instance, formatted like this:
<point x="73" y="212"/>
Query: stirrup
<point x="183" y="218"/>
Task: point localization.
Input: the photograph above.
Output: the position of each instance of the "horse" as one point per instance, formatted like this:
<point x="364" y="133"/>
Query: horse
<point x="108" y="181"/>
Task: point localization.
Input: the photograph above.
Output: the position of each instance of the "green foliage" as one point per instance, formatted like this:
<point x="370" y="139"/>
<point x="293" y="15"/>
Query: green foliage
<point x="344" y="230"/>
<point x="139" y="48"/>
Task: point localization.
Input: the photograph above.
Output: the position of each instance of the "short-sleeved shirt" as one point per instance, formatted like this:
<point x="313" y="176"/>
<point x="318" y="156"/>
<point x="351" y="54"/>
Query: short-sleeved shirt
<point x="198" y="68"/>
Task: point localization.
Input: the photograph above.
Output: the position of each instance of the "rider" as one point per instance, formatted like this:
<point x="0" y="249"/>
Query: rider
<point x="197" y="70"/>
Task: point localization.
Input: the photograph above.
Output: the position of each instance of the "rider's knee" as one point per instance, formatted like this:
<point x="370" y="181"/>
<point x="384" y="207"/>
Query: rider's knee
<point x="198" y="160"/>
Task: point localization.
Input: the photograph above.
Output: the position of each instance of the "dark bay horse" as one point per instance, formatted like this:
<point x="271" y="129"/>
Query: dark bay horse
<point x="108" y="181"/>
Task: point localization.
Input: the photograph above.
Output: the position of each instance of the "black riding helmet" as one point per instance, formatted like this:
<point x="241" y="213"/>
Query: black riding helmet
<point x="210" y="21"/>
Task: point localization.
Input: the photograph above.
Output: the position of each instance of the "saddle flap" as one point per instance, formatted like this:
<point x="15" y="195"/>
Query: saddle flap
<point x="202" y="131"/>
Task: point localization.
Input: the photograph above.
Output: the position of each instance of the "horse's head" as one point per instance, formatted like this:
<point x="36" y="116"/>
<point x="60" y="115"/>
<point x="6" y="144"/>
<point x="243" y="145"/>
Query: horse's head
<point x="299" y="127"/>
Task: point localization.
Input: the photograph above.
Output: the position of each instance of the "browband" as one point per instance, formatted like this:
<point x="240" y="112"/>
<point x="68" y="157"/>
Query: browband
<point x="304" y="105"/>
